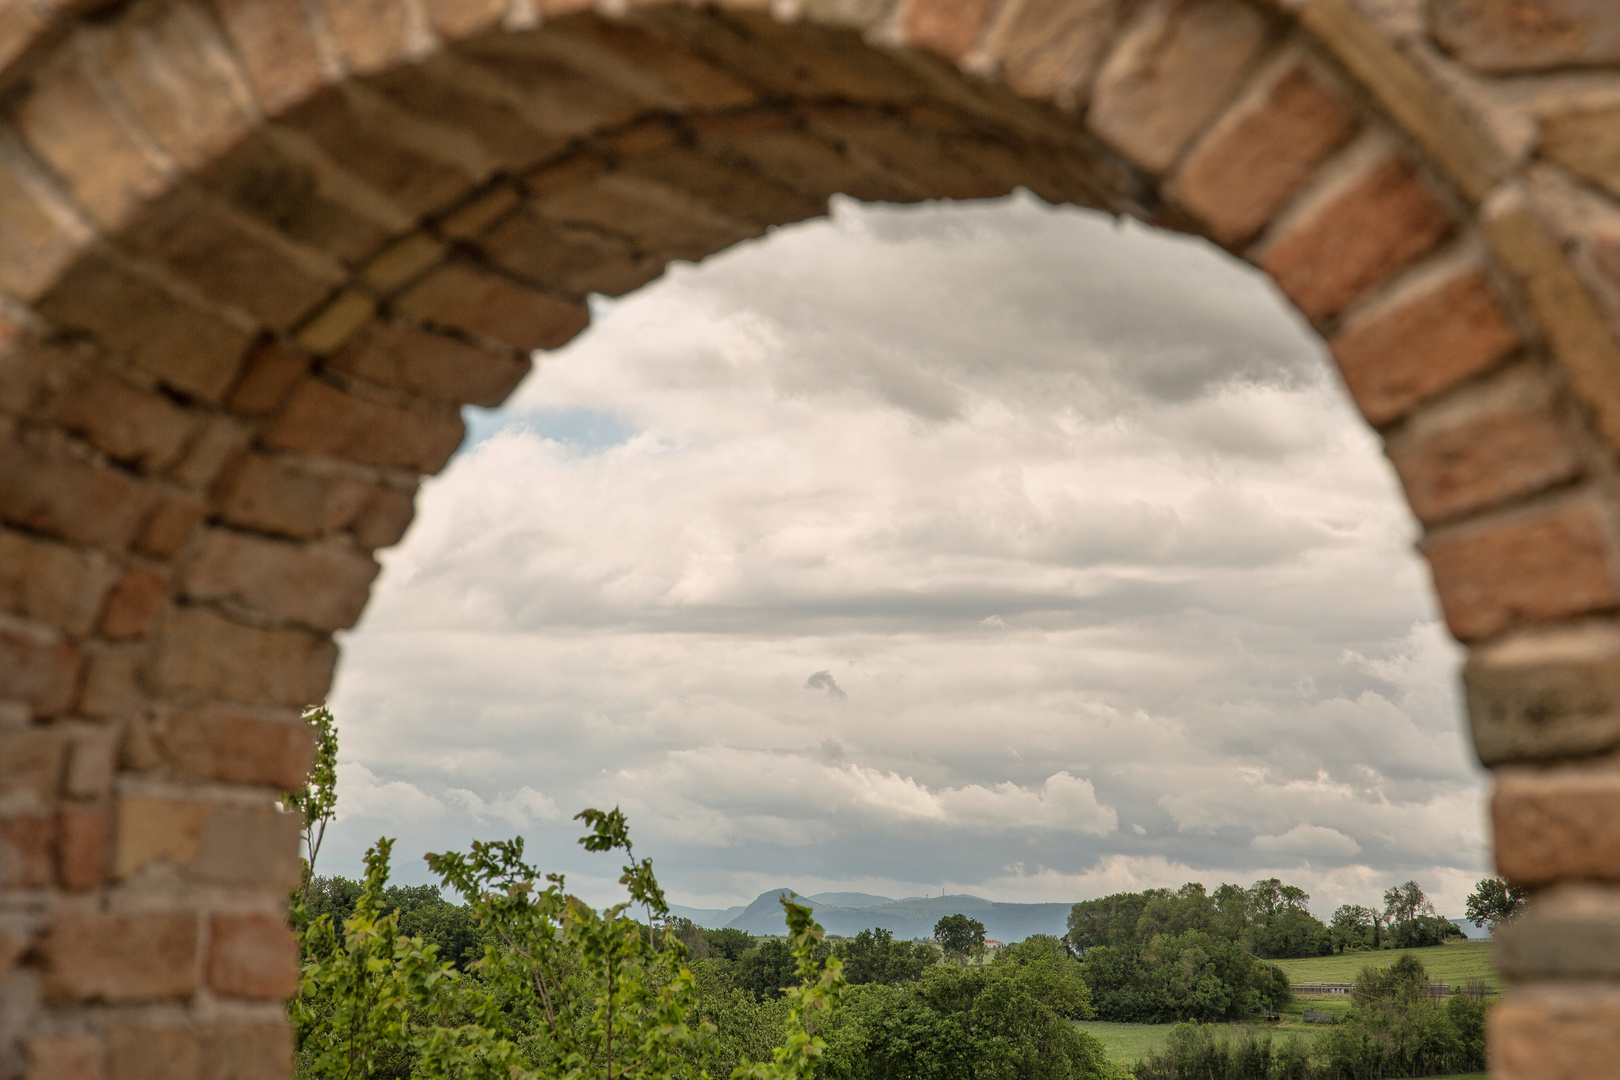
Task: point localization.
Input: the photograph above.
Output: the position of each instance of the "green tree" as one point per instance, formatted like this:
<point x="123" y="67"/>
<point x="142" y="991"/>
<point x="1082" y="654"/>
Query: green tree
<point x="960" y="936"/>
<point x="317" y="799"/>
<point x="873" y="956"/>
<point x="1494" y="902"/>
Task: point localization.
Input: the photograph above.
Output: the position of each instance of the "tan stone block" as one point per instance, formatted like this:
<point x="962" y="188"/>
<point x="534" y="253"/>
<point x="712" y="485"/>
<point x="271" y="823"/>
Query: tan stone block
<point x="82" y="847"/>
<point x="337" y="322"/>
<point x="454" y="19"/>
<point x="372" y="35"/>
<point x="67" y="1057"/>
<point x="1354" y="235"/>
<point x="494" y="308"/>
<point x="1511" y="35"/>
<point x="774" y="145"/>
<point x="111" y="683"/>
<point x="279" y="179"/>
<point x="178" y="79"/>
<point x="479" y="213"/>
<point x="1533" y="567"/>
<point x="232" y="259"/>
<point x="1567" y="931"/>
<point x="92" y="758"/>
<point x="324" y="587"/>
<point x="237" y="1052"/>
<point x="277" y="47"/>
<point x="271" y="372"/>
<point x="21" y="27"/>
<point x="923" y="158"/>
<point x="321" y="419"/>
<point x="947" y="27"/>
<point x="403" y="261"/>
<point x="433" y="365"/>
<point x="27" y="851"/>
<point x="1569" y="317"/>
<point x="1176" y="66"/>
<point x="386" y="517"/>
<point x="1422" y="341"/>
<point x="109" y="171"/>
<point x="119" y="959"/>
<point x="134" y="604"/>
<point x="650" y="215"/>
<point x="1264" y="149"/>
<point x="149" y="831"/>
<point x="689" y="75"/>
<point x="1557" y="826"/>
<point x="275" y="495"/>
<point x="1587" y="143"/>
<point x="132" y="426"/>
<point x="195" y="351"/>
<point x="249" y="848"/>
<point x="32" y="761"/>
<point x="42" y="674"/>
<point x="1454" y="141"/>
<point x="170" y="525"/>
<point x="51" y="582"/>
<point x="1555" y="1033"/>
<point x="566" y="259"/>
<point x="219" y="442"/>
<point x="203" y="652"/>
<point x="252" y="956"/>
<point x="54" y="494"/>
<point x="736" y="193"/>
<point x="1051" y="49"/>
<point x="39" y="235"/>
<point x="237" y="747"/>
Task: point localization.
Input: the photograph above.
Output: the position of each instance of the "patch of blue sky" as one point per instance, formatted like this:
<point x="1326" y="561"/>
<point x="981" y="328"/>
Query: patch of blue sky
<point x="586" y="431"/>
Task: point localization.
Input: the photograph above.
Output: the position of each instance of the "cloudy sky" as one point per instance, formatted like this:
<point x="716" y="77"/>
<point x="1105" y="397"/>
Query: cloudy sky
<point x="983" y="548"/>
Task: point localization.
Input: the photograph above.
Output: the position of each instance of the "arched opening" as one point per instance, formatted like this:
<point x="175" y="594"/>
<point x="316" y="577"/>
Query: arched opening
<point x="256" y="255"/>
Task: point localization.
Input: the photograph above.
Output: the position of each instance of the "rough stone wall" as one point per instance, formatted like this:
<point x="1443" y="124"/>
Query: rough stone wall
<point x="254" y="255"/>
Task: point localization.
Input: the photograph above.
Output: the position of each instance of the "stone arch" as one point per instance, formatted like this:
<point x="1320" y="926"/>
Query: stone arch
<point x="255" y="254"/>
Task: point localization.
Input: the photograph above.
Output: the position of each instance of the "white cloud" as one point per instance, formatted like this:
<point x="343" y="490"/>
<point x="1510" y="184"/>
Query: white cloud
<point x="1306" y="839"/>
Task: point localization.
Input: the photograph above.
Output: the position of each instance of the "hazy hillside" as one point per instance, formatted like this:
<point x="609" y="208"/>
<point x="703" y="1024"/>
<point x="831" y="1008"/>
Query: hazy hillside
<point x="914" y="917"/>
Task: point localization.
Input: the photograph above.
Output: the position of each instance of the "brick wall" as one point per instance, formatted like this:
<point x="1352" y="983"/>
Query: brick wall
<point x="255" y="255"/>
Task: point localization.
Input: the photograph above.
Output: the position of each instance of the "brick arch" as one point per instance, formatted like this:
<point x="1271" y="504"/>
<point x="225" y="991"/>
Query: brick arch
<point x="255" y="254"/>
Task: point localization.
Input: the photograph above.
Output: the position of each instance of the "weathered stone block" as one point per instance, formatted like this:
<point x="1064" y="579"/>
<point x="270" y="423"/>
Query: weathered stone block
<point x="947" y="27"/>
<point x="237" y="747"/>
<point x="27" y="851"/>
<point x="112" y="685"/>
<point x="1262" y="151"/>
<point x="1557" y="826"/>
<point x="219" y="440"/>
<point x="1514" y="35"/>
<point x="52" y="582"/>
<point x="773" y="144"/>
<point x="235" y="1051"/>
<point x="200" y="651"/>
<point x="252" y="956"/>
<point x="373" y="35"/>
<point x="1523" y="569"/>
<point x="323" y="587"/>
<point x="1587" y="143"/>
<point x="32" y="761"/>
<point x="1546" y="694"/>
<point x="1421" y="341"/>
<point x="1555" y="1033"/>
<point x="1354" y="235"/>
<point x="387" y="515"/>
<point x="68" y="1057"/>
<point x="268" y="376"/>
<point x="133" y="603"/>
<point x="277" y="48"/>
<point x="1504" y="440"/>
<point x="1568" y="931"/>
<point x="494" y="308"/>
<point x="82" y="847"/>
<point x="1176" y="66"/>
<point x="433" y="365"/>
<point x="566" y="259"/>
<point x="170" y="525"/>
<point x="57" y="495"/>
<point x="119" y="959"/>
<point x="1051" y="48"/>
<point x="321" y="419"/>
<point x="39" y="672"/>
<point x="135" y="427"/>
<point x="277" y="495"/>
<point x="37" y="238"/>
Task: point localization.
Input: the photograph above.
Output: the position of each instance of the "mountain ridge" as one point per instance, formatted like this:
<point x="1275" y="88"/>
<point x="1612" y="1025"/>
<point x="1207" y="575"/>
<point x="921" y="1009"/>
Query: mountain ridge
<point x="911" y="917"/>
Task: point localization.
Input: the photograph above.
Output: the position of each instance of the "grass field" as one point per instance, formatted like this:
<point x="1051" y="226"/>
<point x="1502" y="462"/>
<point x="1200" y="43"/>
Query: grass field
<point x="1453" y="964"/>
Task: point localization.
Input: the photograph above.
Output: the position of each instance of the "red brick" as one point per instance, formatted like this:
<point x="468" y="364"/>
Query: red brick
<point x="271" y="372"/>
<point x="1261" y="152"/>
<point x="220" y="440"/>
<point x="202" y="651"/>
<point x="1050" y="49"/>
<point x="143" y="430"/>
<point x="68" y="1057"/>
<point x="91" y="758"/>
<point x="324" y="587"/>
<point x="1421" y="342"/>
<point x="433" y="365"/>
<point x="1532" y="568"/>
<point x="386" y="517"/>
<point x="252" y="956"/>
<point x="1176" y="66"/>
<point x="277" y="48"/>
<point x="81" y="848"/>
<point x="321" y="419"/>
<point x="119" y="958"/>
<point x="21" y="25"/>
<point x="1507" y="441"/>
<point x="133" y="604"/>
<point x="112" y="683"/>
<point x="237" y="747"/>
<point x="1555" y="1033"/>
<point x="170" y="525"/>
<point x="495" y="308"/>
<point x="31" y="764"/>
<point x="946" y="27"/>
<point x="27" y="851"/>
<point x="275" y="495"/>
<point x="1526" y="35"/>
<point x="51" y="582"/>
<point x="42" y="674"/>
<point x="61" y="496"/>
<point x="371" y="34"/>
<point x="454" y="19"/>
<point x="226" y="1052"/>
<point x="1557" y="826"/>
<point x="1359" y="234"/>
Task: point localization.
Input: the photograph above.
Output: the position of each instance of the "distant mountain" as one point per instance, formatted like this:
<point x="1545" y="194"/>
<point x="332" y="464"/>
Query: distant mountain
<point x="847" y="914"/>
<point x="1475" y="933"/>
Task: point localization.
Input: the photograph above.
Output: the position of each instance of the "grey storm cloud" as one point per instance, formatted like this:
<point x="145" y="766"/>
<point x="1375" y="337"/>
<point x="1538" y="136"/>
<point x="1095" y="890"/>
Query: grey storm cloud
<point x="823" y="680"/>
<point x="1213" y="654"/>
